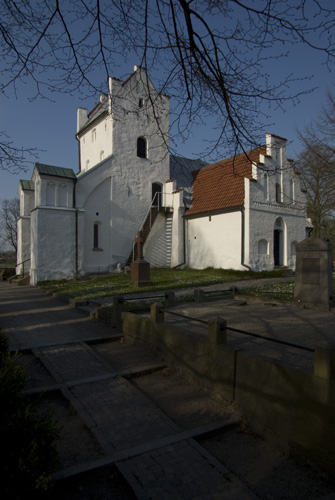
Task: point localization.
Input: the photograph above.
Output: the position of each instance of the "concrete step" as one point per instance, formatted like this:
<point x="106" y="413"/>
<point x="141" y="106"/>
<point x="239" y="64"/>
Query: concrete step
<point x="19" y="280"/>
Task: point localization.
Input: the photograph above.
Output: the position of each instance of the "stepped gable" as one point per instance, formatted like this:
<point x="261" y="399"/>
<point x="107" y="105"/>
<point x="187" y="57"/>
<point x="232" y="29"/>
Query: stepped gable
<point x="221" y="185"/>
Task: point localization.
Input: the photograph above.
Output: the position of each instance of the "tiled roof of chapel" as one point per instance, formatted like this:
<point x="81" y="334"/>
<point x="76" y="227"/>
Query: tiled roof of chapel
<point x="221" y="185"/>
<point x="55" y="171"/>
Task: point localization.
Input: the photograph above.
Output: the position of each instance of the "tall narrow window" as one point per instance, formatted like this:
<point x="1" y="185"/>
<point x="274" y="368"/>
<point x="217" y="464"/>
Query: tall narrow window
<point x="292" y="194"/>
<point x="51" y="194"/>
<point x="102" y="155"/>
<point x="141" y="102"/>
<point x="266" y="187"/>
<point x="62" y="195"/>
<point x="141" y="147"/>
<point x="94" y="135"/>
<point x="278" y="193"/>
<point x="96" y="235"/>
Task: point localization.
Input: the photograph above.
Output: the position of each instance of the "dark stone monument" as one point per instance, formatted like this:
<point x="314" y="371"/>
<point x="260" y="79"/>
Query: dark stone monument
<point x="313" y="275"/>
<point x="139" y="268"/>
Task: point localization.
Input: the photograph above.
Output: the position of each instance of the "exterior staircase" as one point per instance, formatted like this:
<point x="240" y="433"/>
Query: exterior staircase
<point x="20" y="280"/>
<point x="146" y="228"/>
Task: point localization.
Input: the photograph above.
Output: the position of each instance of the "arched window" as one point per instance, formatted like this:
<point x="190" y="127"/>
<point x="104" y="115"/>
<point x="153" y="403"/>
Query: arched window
<point x="94" y="135"/>
<point x="102" y="155"/>
<point x="62" y="195"/>
<point x="141" y="147"/>
<point x="51" y="194"/>
<point x="263" y="247"/>
<point x="87" y="164"/>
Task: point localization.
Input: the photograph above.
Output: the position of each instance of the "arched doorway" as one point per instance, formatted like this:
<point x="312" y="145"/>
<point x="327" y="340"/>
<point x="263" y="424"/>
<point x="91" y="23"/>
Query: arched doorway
<point x="156" y="196"/>
<point x="278" y="242"/>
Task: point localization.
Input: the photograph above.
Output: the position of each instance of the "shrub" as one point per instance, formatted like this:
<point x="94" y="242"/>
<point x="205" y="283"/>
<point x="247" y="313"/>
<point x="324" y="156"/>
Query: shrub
<point x="27" y="435"/>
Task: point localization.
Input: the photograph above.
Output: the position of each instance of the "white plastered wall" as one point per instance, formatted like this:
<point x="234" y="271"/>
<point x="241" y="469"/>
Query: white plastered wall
<point x="27" y="200"/>
<point x="96" y="143"/>
<point x="215" y="241"/>
<point x="53" y="247"/>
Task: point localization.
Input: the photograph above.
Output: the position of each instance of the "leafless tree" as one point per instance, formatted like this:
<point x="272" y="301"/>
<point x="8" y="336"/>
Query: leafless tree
<point x="15" y="158"/>
<point x="317" y="166"/>
<point x="210" y="56"/>
<point x="9" y="214"/>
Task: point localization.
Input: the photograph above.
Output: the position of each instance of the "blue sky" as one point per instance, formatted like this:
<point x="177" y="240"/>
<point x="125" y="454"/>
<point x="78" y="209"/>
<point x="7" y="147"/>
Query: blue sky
<point x="51" y="126"/>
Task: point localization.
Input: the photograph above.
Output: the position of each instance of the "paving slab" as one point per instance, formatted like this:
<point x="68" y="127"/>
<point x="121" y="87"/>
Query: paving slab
<point x="31" y="318"/>
<point x="184" y="470"/>
<point x="285" y="322"/>
<point x="136" y="429"/>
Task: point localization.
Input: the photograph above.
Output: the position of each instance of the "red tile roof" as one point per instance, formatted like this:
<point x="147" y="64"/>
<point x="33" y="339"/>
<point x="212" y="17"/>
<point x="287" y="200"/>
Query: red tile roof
<point x="221" y="185"/>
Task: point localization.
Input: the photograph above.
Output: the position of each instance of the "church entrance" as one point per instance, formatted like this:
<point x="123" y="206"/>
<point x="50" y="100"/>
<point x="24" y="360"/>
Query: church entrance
<point x="156" y="194"/>
<point x="278" y="242"/>
<point x="276" y="247"/>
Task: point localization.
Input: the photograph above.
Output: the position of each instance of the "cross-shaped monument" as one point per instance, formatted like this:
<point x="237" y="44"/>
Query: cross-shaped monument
<point x="139" y="243"/>
<point x="139" y="268"/>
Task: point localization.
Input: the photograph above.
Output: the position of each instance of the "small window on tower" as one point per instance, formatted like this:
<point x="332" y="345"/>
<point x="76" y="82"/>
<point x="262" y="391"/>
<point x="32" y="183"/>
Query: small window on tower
<point x="141" y="147"/>
<point x="141" y="102"/>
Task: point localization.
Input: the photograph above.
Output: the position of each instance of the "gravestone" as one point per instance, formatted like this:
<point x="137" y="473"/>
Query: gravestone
<point x="313" y="275"/>
<point x="140" y="268"/>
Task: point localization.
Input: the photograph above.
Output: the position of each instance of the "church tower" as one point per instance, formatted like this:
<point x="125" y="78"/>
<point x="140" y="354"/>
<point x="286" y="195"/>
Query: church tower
<point x="123" y="164"/>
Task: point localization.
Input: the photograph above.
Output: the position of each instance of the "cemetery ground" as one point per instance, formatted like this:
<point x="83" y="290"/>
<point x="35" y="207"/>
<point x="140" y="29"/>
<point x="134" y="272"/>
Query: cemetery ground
<point x="162" y="403"/>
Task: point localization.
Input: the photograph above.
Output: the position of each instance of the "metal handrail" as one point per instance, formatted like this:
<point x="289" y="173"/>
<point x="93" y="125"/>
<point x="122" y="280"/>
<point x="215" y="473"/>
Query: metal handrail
<point x="148" y="212"/>
<point x="283" y="342"/>
<point x="186" y="317"/>
<point x="22" y="264"/>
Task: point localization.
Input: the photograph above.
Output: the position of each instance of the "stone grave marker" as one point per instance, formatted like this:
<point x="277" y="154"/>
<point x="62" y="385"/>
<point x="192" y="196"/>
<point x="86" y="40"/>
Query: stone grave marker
<point x="140" y="268"/>
<point x="313" y="275"/>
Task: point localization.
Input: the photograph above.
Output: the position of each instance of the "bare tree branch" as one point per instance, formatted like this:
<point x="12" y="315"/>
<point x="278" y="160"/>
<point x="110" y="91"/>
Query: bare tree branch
<point x="8" y="229"/>
<point x="210" y="56"/>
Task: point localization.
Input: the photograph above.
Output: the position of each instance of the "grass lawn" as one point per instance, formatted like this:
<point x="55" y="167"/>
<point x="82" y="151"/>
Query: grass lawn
<point x="280" y="291"/>
<point x="7" y="263"/>
<point x="162" y="279"/>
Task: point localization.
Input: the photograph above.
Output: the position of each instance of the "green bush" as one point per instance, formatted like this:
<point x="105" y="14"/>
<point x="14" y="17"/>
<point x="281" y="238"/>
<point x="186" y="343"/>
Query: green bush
<point x="27" y="435"/>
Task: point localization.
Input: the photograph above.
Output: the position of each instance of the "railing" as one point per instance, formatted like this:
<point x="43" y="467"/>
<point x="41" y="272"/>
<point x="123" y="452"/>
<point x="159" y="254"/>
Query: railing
<point x="22" y="264"/>
<point x="119" y="300"/>
<point x="237" y="330"/>
<point x="155" y="203"/>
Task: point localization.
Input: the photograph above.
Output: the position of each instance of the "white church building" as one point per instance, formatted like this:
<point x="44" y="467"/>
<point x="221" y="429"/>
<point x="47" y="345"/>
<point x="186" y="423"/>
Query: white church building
<point x="243" y="212"/>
